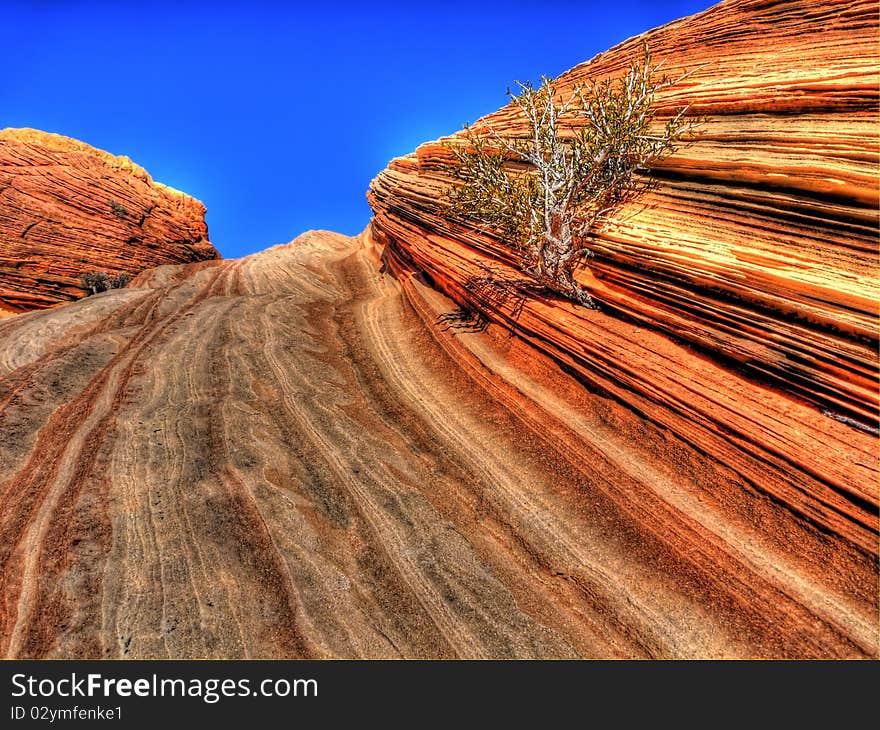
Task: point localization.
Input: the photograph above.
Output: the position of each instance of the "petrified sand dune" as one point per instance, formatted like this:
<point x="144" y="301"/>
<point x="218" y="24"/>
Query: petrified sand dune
<point x="760" y="244"/>
<point x="397" y="445"/>
<point x="311" y="452"/>
<point x="758" y="250"/>
<point x="67" y="208"/>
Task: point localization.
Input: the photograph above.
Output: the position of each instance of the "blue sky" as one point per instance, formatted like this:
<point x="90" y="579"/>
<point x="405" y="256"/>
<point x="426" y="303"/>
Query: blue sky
<point x="278" y="115"/>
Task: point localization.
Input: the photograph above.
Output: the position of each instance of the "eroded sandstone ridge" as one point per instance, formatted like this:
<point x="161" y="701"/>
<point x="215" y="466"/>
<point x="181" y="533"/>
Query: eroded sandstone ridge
<point x="311" y="452"/>
<point x="67" y="208"/>
<point x="757" y="253"/>
<point x="760" y="246"/>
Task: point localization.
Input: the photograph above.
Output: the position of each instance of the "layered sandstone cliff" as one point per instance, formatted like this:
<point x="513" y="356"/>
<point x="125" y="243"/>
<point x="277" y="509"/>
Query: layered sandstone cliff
<point x="67" y="209"/>
<point x="739" y="300"/>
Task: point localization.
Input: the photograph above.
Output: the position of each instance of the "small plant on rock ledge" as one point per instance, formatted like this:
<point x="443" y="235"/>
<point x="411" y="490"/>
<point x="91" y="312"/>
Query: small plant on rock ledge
<point x="119" y="210"/>
<point x="120" y="281"/>
<point x="584" y="155"/>
<point x="95" y="282"/>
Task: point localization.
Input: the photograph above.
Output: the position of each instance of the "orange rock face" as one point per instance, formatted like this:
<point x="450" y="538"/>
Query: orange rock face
<point x="67" y="208"/>
<point x="739" y="300"/>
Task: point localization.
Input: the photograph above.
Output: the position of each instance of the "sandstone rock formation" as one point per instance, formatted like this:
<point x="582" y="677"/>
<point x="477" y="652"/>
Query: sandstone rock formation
<point x="396" y="445"/>
<point x="760" y="245"/>
<point x="67" y="208"/>
<point x="758" y="251"/>
<point x="295" y="454"/>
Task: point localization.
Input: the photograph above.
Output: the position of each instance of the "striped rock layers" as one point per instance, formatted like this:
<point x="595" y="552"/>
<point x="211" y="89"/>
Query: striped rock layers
<point x="310" y="452"/>
<point x="738" y="299"/>
<point x="67" y="209"/>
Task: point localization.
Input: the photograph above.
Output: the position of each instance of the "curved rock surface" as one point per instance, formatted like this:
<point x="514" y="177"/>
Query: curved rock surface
<point x="312" y="452"/>
<point x="67" y="208"/>
<point x="395" y="445"/>
<point x="759" y="246"/>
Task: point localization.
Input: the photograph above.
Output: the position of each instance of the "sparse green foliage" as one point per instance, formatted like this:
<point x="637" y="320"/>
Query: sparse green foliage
<point x="120" y="281"/>
<point x="119" y="210"/>
<point x="95" y="282"/>
<point x="585" y="155"/>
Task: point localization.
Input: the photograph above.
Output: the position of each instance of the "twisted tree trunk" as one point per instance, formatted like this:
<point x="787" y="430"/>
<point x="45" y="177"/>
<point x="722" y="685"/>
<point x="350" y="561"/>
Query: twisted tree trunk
<point x="556" y="261"/>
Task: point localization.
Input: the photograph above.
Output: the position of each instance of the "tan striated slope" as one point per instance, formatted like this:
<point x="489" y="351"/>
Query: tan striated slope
<point x="311" y="452"/>
<point x="67" y="208"/>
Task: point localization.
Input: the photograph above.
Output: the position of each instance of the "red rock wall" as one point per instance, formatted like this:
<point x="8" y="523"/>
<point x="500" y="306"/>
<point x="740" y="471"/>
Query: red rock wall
<point x="758" y="251"/>
<point x="57" y="219"/>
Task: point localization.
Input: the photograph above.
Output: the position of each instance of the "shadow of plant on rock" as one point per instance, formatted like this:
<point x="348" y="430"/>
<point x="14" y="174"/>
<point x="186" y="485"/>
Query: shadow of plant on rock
<point x="462" y="320"/>
<point x="497" y="288"/>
